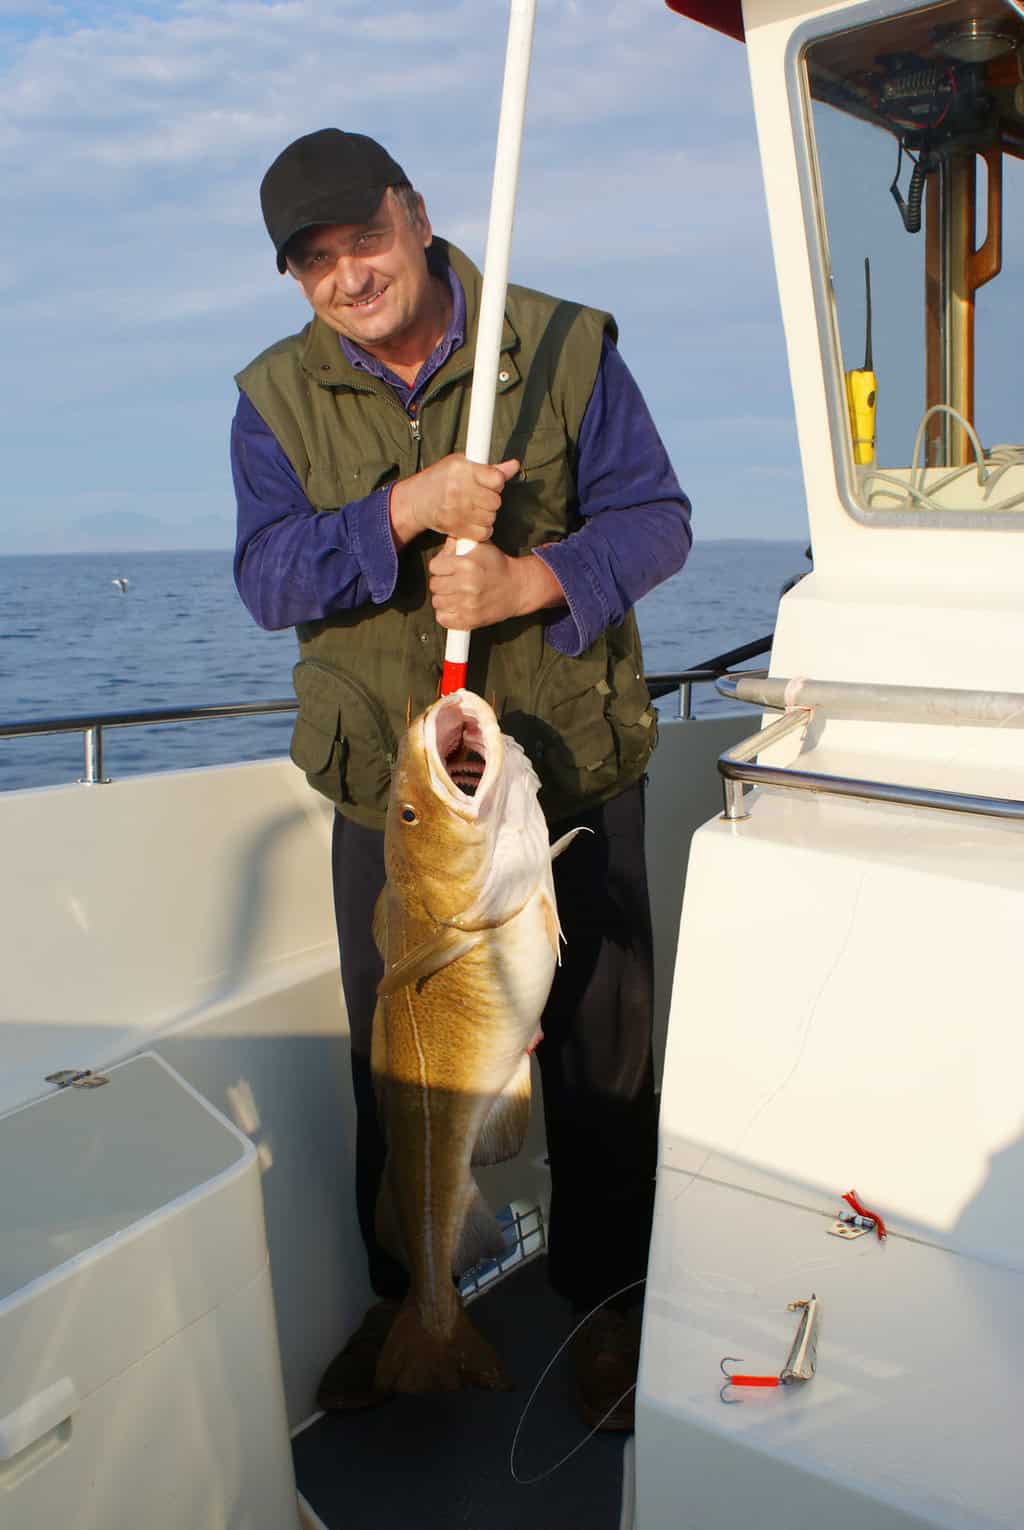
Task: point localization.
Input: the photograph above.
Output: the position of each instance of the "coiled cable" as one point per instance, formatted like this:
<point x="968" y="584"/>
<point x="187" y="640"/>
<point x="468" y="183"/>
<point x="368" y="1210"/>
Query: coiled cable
<point x="989" y="467"/>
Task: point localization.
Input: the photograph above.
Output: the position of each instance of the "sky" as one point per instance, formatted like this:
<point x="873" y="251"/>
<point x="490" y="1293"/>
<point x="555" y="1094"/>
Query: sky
<point x="136" y="276"/>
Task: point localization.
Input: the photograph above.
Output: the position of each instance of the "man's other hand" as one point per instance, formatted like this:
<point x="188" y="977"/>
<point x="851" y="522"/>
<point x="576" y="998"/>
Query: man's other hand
<point x="457" y="497"/>
<point x="485" y="586"/>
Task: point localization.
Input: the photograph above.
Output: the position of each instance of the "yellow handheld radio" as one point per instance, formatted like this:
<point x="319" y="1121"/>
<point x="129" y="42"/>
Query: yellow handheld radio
<point x="862" y="393"/>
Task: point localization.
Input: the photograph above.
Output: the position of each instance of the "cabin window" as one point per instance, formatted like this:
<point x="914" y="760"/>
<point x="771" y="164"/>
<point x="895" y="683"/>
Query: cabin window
<point x="916" y="125"/>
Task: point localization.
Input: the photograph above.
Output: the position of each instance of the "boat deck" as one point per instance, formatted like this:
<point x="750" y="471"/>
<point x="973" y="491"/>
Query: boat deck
<point x="444" y="1460"/>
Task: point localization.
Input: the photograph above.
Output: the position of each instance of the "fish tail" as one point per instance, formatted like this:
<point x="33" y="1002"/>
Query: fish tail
<point x="419" y="1357"/>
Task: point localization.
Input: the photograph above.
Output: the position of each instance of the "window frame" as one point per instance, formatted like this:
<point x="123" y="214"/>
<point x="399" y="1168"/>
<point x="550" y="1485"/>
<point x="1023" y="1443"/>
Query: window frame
<point x="801" y="108"/>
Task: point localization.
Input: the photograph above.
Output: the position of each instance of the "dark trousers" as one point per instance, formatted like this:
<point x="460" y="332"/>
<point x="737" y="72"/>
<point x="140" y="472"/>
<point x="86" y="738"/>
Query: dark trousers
<point x="595" y="1060"/>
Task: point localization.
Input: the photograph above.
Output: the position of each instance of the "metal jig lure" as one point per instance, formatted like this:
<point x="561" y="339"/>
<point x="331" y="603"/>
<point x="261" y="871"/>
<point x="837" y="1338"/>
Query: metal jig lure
<point x="800" y="1362"/>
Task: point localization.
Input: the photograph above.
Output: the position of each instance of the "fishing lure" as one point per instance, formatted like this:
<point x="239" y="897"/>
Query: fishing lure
<point x="800" y="1362"/>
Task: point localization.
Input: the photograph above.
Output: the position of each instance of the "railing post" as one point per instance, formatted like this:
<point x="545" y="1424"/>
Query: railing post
<point x="94" y="758"/>
<point x="733" y="794"/>
<point x="731" y="761"/>
<point x="686" y="701"/>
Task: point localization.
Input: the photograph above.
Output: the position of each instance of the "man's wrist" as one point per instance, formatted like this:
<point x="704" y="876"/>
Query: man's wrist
<point x="539" y="588"/>
<point x="403" y="521"/>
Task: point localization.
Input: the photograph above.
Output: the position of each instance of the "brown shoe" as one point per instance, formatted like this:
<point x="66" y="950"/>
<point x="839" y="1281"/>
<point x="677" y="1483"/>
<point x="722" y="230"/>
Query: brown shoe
<point x="606" y="1355"/>
<point x="347" y="1383"/>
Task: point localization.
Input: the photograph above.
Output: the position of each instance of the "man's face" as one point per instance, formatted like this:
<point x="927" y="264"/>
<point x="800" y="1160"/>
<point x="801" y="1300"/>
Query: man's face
<point x="368" y="281"/>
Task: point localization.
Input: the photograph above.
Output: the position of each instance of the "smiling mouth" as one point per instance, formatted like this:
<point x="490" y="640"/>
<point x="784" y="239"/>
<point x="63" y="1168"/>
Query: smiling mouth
<point x="365" y="302"/>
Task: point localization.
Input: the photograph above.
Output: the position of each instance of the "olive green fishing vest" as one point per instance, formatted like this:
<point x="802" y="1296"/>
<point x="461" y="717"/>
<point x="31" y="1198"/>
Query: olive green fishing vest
<point x="586" y="723"/>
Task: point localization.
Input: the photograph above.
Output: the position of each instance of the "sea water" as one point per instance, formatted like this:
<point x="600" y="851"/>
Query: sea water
<point x="74" y="643"/>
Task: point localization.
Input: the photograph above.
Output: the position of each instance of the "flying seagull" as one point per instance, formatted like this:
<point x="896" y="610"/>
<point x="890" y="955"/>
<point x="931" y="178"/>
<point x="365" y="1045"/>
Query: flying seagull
<point x="122" y="584"/>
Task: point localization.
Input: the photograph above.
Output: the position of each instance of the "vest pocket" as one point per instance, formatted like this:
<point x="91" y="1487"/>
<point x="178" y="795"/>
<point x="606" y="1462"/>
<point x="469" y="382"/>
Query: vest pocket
<point x="577" y="752"/>
<point x="545" y="478"/>
<point x="342" y="738"/>
<point x="583" y="760"/>
<point x="533" y="504"/>
<point x="546" y="448"/>
<point x="598" y="737"/>
<point x="332" y="486"/>
<point x="634" y="715"/>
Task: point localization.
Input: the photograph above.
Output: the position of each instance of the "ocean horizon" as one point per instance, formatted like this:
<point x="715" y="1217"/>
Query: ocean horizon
<point x="74" y="643"/>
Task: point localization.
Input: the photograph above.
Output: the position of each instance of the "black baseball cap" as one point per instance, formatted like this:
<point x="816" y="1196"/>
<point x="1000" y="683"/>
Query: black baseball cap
<point x="325" y="177"/>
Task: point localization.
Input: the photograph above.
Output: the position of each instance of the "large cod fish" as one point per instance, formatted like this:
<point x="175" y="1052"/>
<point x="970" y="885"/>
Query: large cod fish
<point x="468" y="930"/>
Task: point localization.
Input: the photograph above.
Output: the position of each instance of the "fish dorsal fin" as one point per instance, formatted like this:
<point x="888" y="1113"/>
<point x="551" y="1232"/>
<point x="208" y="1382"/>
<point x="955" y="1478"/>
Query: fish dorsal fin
<point x="504" y="1131"/>
<point x="426" y="959"/>
<point x="566" y="840"/>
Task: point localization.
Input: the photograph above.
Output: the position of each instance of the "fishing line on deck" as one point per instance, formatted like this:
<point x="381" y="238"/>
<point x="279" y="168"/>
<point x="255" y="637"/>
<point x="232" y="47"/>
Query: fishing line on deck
<point x="550" y="1470"/>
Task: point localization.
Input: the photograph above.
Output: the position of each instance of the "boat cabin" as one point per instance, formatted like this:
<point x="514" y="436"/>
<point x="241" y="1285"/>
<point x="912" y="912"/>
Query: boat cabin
<point x="840" y="1019"/>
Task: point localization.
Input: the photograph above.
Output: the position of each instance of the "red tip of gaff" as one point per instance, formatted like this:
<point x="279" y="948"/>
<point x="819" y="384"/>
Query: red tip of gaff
<point x="453" y="677"/>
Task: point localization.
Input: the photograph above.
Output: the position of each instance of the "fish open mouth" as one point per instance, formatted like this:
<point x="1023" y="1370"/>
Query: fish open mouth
<point x="462" y="743"/>
<point x="466" y="768"/>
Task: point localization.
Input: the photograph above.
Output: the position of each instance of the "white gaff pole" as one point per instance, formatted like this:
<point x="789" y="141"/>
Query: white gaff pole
<point x="495" y="283"/>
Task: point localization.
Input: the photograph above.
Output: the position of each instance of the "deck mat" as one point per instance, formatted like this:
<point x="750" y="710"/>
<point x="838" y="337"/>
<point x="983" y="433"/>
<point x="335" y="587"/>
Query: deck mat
<point x="417" y="1463"/>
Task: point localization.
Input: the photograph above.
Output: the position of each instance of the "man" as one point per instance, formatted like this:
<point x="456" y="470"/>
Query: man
<point x="351" y="483"/>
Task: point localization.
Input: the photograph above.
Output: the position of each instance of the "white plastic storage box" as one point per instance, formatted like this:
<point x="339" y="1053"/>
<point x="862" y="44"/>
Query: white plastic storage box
<point x="140" y="1380"/>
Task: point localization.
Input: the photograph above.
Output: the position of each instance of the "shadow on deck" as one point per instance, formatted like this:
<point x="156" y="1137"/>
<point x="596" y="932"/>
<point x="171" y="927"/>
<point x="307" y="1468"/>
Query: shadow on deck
<point x="443" y="1461"/>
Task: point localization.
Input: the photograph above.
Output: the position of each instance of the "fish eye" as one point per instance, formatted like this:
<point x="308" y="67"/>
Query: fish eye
<point x="409" y="814"/>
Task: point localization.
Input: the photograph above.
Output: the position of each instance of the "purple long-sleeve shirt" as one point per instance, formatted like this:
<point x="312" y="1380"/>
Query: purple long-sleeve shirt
<point x="294" y="564"/>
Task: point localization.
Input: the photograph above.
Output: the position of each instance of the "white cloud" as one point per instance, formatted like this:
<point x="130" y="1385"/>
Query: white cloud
<point x="210" y="79"/>
<point x="132" y="144"/>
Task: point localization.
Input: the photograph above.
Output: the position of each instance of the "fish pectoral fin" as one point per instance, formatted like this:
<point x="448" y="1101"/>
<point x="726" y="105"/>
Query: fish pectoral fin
<point x="566" y="840"/>
<point x="504" y="1131"/>
<point x="480" y="1237"/>
<point x="551" y="925"/>
<point x="428" y="958"/>
<point x="552" y="928"/>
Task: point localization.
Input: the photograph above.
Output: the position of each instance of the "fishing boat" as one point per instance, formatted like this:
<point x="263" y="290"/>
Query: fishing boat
<point x="832" y="1320"/>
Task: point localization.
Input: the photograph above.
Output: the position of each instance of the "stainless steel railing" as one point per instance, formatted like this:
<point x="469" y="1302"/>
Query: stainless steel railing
<point x="91" y="725"/>
<point x="707" y="673"/>
<point x="913" y="704"/>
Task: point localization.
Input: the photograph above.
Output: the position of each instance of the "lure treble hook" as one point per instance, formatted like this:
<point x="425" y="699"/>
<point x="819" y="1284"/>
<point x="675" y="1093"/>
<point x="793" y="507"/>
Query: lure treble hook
<point x="735" y="1380"/>
<point x="800" y="1362"/>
